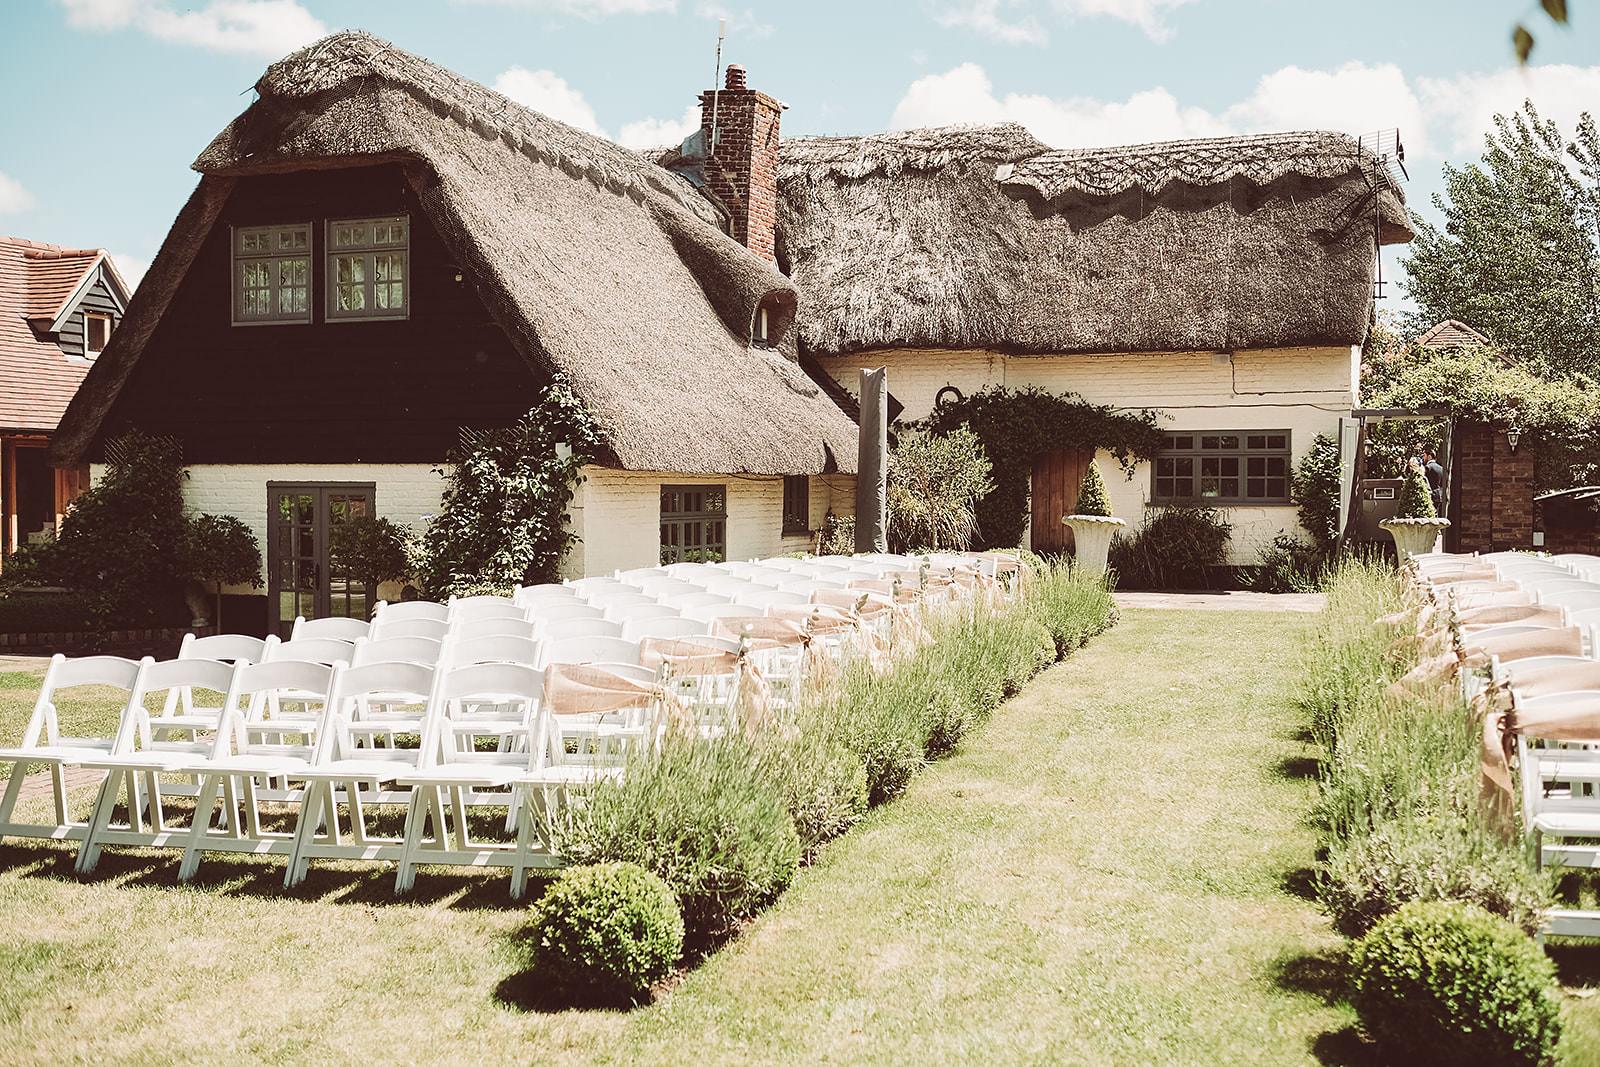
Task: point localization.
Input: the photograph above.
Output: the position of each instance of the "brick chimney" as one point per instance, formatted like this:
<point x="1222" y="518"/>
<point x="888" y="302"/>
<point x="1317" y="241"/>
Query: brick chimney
<point x="742" y="159"/>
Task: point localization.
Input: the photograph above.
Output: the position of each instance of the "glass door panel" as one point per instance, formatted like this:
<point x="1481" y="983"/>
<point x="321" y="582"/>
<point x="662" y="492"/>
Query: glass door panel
<point x="301" y="580"/>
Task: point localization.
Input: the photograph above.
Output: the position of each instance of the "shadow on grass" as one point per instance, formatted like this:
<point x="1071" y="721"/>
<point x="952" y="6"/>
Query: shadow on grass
<point x="251" y="876"/>
<point x="1301" y="882"/>
<point x="1325" y="975"/>
<point x="1299" y="767"/>
<point x="1577" y="963"/>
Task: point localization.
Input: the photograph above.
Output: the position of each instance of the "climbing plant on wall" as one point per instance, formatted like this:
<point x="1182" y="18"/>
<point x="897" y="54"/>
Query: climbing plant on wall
<point x="1017" y="425"/>
<point x="503" y="520"/>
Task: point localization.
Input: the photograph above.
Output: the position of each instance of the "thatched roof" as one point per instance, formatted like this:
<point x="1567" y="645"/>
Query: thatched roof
<point x="605" y="270"/>
<point x="983" y="237"/>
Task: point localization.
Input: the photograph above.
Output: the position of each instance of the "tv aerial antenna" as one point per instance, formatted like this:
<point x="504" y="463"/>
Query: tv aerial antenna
<point x="1378" y="155"/>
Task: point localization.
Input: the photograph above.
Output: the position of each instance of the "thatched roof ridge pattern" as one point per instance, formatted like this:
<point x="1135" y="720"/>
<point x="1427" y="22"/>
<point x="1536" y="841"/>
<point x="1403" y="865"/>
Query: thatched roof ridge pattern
<point x="889" y="154"/>
<point x="605" y="271"/>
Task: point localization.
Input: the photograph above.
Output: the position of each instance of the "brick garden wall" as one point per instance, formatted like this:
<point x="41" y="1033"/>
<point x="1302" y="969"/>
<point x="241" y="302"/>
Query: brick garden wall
<point x="1492" y="500"/>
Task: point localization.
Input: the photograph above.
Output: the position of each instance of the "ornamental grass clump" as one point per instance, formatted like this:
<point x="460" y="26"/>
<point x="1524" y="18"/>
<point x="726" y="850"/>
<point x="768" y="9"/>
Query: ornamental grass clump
<point x="604" y="934"/>
<point x="703" y="816"/>
<point x="1448" y="983"/>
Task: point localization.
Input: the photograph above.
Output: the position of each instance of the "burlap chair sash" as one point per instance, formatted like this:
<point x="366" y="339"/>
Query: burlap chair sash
<point x="761" y="631"/>
<point x="584" y="689"/>
<point x="685" y="655"/>
<point x="1470" y="574"/>
<point x="1507" y="614"/>
<point x="1575" y="721"/>
<point x="1561" y="641"/>
<point x="818" y="619"/>
<point x="862" y="602"/>
<point x="1558" y="678"/>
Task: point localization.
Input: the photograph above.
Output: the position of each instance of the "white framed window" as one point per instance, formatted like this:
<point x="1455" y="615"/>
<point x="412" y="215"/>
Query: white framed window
<point x="272" y="274"/>
<point x="369" y="269"/>
<point x="96" y="332"/>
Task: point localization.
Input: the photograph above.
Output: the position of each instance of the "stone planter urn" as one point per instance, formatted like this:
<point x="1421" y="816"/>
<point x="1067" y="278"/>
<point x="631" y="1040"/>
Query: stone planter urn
<point x="1414" y="537"/>
<point x="1091" y="538"/>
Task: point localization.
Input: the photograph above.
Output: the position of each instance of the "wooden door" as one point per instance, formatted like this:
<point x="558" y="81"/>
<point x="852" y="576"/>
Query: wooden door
<point x="1056" y="477"/>
<point x="301" y="579"/>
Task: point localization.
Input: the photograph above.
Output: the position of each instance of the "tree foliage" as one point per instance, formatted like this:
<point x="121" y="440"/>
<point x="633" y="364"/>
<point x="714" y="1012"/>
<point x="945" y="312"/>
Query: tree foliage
<point x="1316" y="486"/>
<point x="935" y="483"/>
<point x="123" y="544"/>
<point x="503" y="520"/>
<point x="375" y="550"/>
<point x="1559" y="418"/>
<point x="1519" y="254"/>
<point x="220" y="551"/>
<point x="1016" y="426"/>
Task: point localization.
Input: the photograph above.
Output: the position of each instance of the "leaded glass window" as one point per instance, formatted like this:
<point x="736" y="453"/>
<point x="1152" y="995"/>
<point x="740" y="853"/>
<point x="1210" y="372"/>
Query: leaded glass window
<point x="368" y="268"/>
<point x="272" y="273"/>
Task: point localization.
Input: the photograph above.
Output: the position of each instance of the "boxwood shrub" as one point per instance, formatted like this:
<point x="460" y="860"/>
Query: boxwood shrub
<point x="1447" y="983"/>
<point x="604" y="934"/>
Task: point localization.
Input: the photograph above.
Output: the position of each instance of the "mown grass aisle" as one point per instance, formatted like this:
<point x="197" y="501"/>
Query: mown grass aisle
<point x="1104" y="873"/>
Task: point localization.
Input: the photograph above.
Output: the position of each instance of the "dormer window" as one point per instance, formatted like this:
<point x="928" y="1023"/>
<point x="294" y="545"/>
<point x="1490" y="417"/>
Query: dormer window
<point x="96" y="332"/>
<point x="368" y="269"/>
<point x="272" y="274"/>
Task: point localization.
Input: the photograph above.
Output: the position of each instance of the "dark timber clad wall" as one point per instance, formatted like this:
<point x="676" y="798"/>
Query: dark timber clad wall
<point x="342" y="392"/>
<point x="97" y="298"/>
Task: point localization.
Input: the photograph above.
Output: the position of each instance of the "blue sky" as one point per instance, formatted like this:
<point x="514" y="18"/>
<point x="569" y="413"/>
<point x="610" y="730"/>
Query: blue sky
<point x="108" y="101"/>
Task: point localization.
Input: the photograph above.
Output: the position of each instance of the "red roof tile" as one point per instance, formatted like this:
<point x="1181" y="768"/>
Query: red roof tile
<point x="36" y="378"/>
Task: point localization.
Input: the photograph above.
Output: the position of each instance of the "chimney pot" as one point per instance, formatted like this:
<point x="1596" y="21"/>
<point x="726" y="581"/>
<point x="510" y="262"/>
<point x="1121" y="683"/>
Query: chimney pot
<point x="736" y="79"/>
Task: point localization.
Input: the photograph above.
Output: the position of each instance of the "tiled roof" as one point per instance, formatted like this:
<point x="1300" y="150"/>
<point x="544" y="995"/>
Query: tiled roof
<point x="1451" y="333"/>
<point x="36" y="378"/>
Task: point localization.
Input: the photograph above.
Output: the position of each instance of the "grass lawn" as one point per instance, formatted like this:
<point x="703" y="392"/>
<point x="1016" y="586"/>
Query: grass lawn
<point x="1111" y="870"/>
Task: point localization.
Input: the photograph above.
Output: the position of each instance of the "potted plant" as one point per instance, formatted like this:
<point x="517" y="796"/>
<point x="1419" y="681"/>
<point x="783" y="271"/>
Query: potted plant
<point x="1092" y="524"/>
<point x="221" y="550"/>
<point x="372" y="550"/>
<point x="1416" y="525"/>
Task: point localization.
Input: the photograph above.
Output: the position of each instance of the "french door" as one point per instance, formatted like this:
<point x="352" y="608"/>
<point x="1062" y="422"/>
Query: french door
<point x="301" y="579"/>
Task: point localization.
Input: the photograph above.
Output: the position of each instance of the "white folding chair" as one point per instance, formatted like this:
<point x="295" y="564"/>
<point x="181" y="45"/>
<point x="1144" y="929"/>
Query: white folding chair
<point x="608" y="649"/>
<point x="493" y="648"/>
<point x="434" y="629"/>
<point x="639" y="629"/>
<point x="341" y="629"/>
<point x="607" y="599"/>
<point x="544" y="615"/>
<point x="696" y="600"/>
<point x="141" y="754"/>
<point x="340" y="765"/>
<point x="497" y="627"/>
<point x="467" y="609"/>
<point x="386" y="614"/>
<point x="1560" y="799"/>
<point x="324" y="650"/>
<point x="551" y="631"/>
<point x="529" y="595"/>
<point x="707" y="612"/>
<point x="45" y="745"/>
<point x="181" y="714"/>
<point x="423" y="650"/>
<point x="585" y="586"/>
<point x="1574" y="599"/>
<point x="766" y="598"/>
<point x="451" y="775"/>
<point x="628" y="612"/>
<point x="246" y="748"/>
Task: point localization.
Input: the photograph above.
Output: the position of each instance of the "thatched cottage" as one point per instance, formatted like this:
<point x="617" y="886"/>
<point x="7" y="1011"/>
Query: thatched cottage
<point x="380" y="252"/>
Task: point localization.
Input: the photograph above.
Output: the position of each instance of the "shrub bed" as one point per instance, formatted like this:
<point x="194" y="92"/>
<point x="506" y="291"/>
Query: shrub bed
<point x="726" y="823"/>
<point x="1410" y="859"/>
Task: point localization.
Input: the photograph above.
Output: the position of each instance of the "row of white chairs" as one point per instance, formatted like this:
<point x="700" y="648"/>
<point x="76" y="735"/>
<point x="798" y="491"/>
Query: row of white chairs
<point x="1548" y="664"/>
<point x="316" y="722"/>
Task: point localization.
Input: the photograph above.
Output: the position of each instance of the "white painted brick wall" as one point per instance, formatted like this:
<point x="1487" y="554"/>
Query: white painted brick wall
<point x="1303" y="390"/>
<point x="618" y="516"/>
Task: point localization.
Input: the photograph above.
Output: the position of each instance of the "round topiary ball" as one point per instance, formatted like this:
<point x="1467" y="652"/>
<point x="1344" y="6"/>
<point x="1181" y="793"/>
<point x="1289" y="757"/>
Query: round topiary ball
<point x="1442" y="982"/>
<point x="605" y="933"/>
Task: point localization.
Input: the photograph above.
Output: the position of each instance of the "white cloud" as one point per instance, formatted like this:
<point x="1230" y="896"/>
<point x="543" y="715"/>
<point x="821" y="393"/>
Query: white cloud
<point x="965" y="94"/>
<point x="1354" y="98"/>
<point x="653" y="133"/>
<point x="1463" y="106"/>
<point x="1148" y="15"/>
<point x="249" y="27"/>
<point x="548" y="93"/>
<point x="987" y="18"/>
<point x="591" y="9"/>
<point x="131" y="267"/>
<point x="13" y="197"/>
